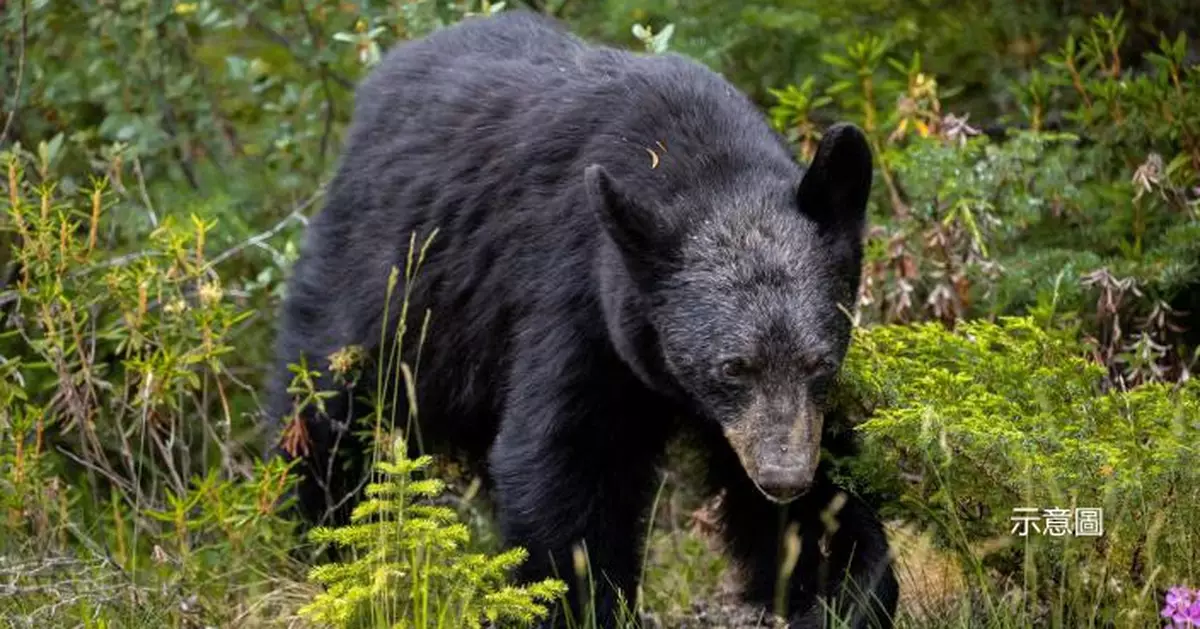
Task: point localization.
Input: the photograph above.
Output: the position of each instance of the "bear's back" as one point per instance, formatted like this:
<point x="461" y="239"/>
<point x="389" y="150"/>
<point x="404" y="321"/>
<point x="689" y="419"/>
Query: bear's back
<point x="474" y="64"/>
<point x="527" y="71"/>
<point x="482" y="131"/>
<point x="516" y="92"/>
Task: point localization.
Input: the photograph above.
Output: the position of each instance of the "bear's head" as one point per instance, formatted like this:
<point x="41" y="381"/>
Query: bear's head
<point x="737" y="296"/>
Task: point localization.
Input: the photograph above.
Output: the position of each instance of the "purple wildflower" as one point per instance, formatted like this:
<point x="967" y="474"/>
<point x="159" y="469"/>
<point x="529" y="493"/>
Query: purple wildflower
<point x="1182" y="608"/>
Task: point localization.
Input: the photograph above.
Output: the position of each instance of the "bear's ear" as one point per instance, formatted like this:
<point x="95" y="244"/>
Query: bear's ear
<point x="638" y="230"/>
<point x="836" y="185"/>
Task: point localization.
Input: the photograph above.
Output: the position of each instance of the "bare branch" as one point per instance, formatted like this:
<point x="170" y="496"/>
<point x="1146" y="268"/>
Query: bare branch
<point x="295" y="215"/>
<point x="141" y="179"/>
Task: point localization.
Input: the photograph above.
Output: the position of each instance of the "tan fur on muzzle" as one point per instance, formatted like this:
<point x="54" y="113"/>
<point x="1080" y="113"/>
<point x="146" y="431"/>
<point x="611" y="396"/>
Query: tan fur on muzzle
<point x="779" y="446"/>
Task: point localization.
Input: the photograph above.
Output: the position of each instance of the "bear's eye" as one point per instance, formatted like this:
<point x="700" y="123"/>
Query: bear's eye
<point x="820" y="368"/>
<point x="736" y="368"/>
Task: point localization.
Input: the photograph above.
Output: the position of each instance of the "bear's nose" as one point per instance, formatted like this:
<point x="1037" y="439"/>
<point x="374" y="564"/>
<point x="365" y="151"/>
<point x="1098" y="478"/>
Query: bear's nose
<point x="784" y="483"/>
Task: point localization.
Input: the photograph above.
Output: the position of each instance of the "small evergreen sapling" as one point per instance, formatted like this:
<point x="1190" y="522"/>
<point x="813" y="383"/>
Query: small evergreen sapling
<point x="411" y="565"/>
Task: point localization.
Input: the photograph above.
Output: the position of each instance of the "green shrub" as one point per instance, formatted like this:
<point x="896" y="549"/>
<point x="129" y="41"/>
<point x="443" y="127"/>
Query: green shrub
<point x="982" y="44"/>
<point x="122" y="444"/>
<point x="991" y="417"/>
<point x="411" y="565"/>
<point x="968" y="225"/>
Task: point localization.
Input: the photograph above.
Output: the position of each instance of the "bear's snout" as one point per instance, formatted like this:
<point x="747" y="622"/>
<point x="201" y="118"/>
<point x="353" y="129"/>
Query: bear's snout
<point x="779" y="444"/>
<point x="782" y="484"/>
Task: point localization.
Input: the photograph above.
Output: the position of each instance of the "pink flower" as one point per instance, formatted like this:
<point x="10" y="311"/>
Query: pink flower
<point x="1182" y="608"/>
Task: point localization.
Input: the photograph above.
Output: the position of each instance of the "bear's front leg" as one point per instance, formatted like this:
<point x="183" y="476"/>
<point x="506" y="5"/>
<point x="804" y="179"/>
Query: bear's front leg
<point x="843" y="569"/>
<point x="573" y="469"/>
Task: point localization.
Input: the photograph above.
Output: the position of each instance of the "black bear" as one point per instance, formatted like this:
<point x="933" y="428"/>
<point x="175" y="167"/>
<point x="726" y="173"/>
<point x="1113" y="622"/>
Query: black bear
<point x="625" y="250"/>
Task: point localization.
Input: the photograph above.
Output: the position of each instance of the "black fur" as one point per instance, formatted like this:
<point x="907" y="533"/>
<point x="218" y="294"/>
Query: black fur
<point x="613" y="229"/>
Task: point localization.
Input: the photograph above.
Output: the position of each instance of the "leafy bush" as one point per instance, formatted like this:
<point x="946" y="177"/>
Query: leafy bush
<point x="195" y="87"/>
<point x="982" y="44"/>
<point x="121" y="446"/>
<point x="971" y="225"/>
<point x="992" y="417"/>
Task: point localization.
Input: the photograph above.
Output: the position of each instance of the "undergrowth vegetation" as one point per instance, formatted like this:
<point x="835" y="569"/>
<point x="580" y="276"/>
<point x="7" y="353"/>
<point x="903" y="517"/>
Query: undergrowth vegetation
<point x="412" y="570"/>
<point x="969" y="428"/>
<point x="1027" y="325"/>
